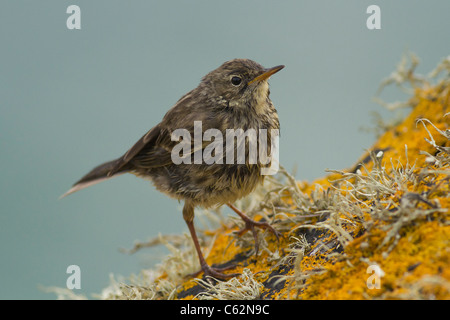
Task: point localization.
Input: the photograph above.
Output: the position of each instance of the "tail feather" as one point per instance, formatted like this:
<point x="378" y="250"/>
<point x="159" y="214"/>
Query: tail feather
<point x="96" y="175"/>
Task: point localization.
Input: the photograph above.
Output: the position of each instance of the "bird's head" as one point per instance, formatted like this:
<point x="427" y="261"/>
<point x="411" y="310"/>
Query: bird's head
<point x="240" y="83"/>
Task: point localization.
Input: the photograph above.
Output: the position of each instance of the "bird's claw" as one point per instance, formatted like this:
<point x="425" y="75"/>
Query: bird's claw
<point x="215" y="273"/>
<point x="251" y="225"/>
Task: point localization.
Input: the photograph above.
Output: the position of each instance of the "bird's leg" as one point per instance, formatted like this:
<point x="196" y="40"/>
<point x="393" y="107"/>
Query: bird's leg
<point x="251" y="224"/>
<point x="188" y="215"/>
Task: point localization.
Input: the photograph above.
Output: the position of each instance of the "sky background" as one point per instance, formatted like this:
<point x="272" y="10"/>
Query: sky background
<point x="72" y="99"/>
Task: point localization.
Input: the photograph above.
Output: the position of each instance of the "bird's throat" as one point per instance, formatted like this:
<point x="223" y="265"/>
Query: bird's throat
<point x="260" y="98"/>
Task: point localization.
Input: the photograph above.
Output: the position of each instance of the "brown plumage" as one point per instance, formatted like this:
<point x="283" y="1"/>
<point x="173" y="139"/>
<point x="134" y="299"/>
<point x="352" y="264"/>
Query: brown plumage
<point x="233" y="96"/>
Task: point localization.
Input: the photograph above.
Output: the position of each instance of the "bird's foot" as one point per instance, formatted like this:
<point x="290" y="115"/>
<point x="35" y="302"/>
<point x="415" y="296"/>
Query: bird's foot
<point x="251" y="225"/>
<point x="215" y="273"/>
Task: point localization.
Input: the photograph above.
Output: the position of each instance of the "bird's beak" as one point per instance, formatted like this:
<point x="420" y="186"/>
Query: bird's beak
<point x="266" y="74"/>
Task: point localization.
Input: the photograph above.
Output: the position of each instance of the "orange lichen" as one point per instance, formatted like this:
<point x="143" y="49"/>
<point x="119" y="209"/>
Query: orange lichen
<point x="422" y="248"/>
<point x="421" y="252"/>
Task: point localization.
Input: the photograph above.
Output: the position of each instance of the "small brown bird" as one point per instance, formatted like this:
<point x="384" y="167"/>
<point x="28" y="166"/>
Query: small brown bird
<point x="233" y="96"/>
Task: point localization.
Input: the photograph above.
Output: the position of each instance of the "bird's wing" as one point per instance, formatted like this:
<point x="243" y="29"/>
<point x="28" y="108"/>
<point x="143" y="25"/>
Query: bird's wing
<point x="155" y="147"/>
<point x="150" y="147"/>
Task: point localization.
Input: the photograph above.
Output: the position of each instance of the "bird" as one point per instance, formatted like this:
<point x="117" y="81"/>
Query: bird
<point x="234" y="96"/>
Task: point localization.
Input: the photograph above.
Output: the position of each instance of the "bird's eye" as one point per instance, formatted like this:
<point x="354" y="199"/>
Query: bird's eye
<point x="235" y="80"/>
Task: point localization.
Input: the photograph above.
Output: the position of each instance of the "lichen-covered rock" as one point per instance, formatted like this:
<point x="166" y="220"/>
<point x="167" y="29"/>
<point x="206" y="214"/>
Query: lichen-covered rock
<point x="379" y="230"/>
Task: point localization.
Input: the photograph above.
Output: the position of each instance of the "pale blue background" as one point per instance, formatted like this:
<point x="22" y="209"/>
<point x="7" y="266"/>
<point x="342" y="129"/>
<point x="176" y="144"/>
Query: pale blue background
<point x="70" y="100"/>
